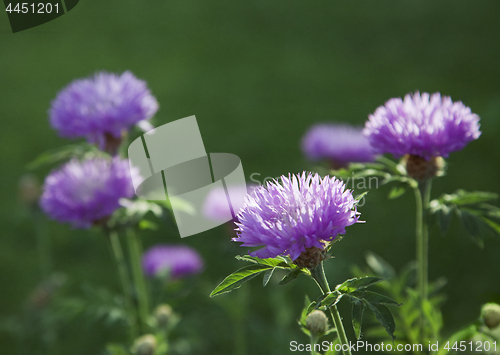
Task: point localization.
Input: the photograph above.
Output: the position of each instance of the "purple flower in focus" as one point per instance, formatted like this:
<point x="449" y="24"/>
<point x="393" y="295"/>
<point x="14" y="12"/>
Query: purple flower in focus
<point x="101" y="107"/>
<point x="179" y="260"/>
<point x="304" y="211"/>
<point x="422" y="125"/>
<point x="216" y="203"/>
<point x="339" y="143"/>
<point x="82" y="193"/>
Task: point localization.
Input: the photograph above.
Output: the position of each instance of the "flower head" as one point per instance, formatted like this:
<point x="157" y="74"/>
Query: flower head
<point x="423" y="125"/>
<point x="179" y="260"/>
<point x="216" y="204"/>
<point x="102" y="107"/>
<point x="302" y="212"/>
<point x="339" y="143"/>
<point x="82" y="193"/>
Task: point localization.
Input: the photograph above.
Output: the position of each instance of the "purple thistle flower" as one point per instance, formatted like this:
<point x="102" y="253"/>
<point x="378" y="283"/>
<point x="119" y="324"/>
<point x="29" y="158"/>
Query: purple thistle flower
<point x="216" y="204"/>
<point x="106" y="104"/>
<point x="422" y="125"/>
<point x="341" y="144"/>
<point x="304" y="211"/>
<point x="82" y="193"/>
<point x="179" y="260"/>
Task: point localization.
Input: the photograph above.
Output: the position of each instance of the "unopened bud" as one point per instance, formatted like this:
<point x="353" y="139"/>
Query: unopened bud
<point x="144" y="345"/>
<point x="317" y="323"/>
<point x="311" y="257"/>
<point x="163" y="315"/>
<point x="491" y="315"/>
<point x="421" y="169"/>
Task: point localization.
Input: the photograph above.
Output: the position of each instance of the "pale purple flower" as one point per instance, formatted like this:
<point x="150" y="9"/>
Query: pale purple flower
<point x="216" y="203"/>
<point x="177" y="260"/>
<point x="302" y="211"/>
<point x="340" y="143"/>
<point x="105" y="104"/>
<point x="423" y="125"/>
<point x="82" y="193"/>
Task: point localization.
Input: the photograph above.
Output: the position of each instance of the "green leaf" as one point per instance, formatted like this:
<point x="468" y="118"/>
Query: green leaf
<point x="381" y="267"/>
<point x="272" y="262"/>
<point x="444" y="217"/>
<point x="64" y="153"/>
<point x="358" y="198"/>
<point x="494" y="226"/>
<point x="358" y="308"/>
<point x="312" y="307"/>
<point x="292" y="275"/>
<point x="236" y="279"/>
<point x="462" y="197"/>
<point x="331" y="299"/>
<point x="267" y="276"/>
<point x="356" y="284"/>
<point x="373" y="297"/>
<point x="384" y="316"/>
<point x="470" y="222"/>
<point x="396" y="192"/>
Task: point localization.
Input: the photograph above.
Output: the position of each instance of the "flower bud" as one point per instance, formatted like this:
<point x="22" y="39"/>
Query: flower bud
<point x="144" y="345"/>
<point x="491" y="315"/>
<point x="311" y="257"/>
<point x="163" y="315"/>
<point x="317" y="323"/>
<point x="421" y="169"/>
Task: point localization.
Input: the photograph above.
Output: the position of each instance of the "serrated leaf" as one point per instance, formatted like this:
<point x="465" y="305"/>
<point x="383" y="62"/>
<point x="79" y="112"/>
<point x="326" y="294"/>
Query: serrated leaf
<point x="272" y="262"/>
<point x="396" y="191"/>
<point x="236" y="279"/>
<point x="384" y="316"/>
<point x="267" y="277"/>
<point x="381" y="267"/>
<point x="357" y="284"/>
<point x="292" y="275"/>
<point x="373" y="297"/>
<point x="358" y="308"/>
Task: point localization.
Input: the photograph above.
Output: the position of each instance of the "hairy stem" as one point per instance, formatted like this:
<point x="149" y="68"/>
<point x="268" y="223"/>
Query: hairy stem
<point x="318" y="274"/>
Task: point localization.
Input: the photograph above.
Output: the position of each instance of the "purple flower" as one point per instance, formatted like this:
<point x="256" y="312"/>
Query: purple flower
<point x="82" y="193"/>
<point x="341" y="144"/>
<point x="422" y="125"/>
<point x="216" y="204"/>
<point x="303" y="211"/>
<point x="179" y="260"/>
<point x="106" y="104"/>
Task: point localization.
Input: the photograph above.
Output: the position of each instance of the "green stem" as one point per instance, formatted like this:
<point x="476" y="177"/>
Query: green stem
<point x="422" y="199"/>
<point x="313" y="342"/>
<point x="124" y="280"/>
<point x="135" y="253"/>
<point x="318" y="274"/>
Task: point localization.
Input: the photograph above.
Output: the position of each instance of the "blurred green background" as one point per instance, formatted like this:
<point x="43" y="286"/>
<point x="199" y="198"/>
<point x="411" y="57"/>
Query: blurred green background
<point x="256" y="74"/>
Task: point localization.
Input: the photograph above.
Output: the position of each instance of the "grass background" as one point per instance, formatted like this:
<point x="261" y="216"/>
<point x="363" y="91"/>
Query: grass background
<point x="257" y="75"/>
